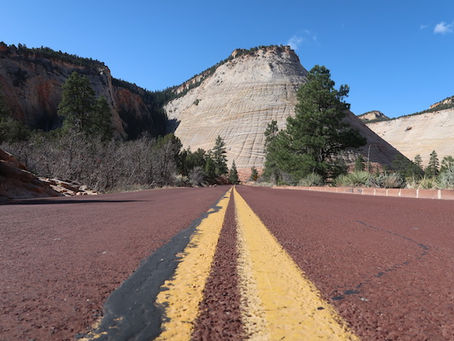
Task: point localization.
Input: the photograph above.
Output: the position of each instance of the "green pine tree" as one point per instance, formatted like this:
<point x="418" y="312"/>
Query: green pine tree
<point x="219" y="157"/>
<point x="432" y="169"/>
<point x="78" y="101"/>
<point x="233" y="174"/>
<point x="317" y="133"/>
<point x="254" y="174"/>
<point x="81" y="109"/>
<point x="418" y="161"/>
<point x="100" y="120"/>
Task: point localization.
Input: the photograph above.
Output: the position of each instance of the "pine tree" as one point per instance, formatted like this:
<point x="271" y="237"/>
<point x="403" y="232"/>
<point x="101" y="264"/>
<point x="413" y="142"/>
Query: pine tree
<point x="254" y="174"/>
<point x="432" y="169"/>
<point x="78" y="100"/>
<point x="219" y="157"/>
<point x="317" y="133"/>
<point x="233" y="174"/>
<point x="101" y="119"/>
<point x="82" y="110"/>
<point x="418" y="161"/>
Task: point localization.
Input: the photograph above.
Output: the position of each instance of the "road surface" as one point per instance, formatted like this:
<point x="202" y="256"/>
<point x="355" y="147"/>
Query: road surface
<point x="220" y="264"/>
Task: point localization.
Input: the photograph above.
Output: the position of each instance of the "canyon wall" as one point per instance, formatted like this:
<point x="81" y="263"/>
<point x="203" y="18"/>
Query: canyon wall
<point x="31" y="85"/>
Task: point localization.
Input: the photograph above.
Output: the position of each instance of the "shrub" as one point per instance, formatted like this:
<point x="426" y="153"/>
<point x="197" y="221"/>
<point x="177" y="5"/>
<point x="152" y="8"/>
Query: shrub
<point x="384" y="180"/>
<point x="446" y="179"/>
<point x="196" y="176"/>
<point x="353" y="179"/>
<point x="311" y="180"/>
<point x="428" y="183"/>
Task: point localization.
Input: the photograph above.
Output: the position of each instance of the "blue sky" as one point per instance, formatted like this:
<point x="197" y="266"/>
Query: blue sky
<point x="396" y="56"/>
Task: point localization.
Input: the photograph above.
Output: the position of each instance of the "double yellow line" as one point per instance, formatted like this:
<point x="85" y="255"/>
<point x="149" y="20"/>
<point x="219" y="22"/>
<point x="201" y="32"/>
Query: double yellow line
<point x="277" y="300"/>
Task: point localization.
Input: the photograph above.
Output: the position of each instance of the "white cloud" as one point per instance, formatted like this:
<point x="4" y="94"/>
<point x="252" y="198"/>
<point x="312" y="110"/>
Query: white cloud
<point x="443" y="28"/>
<point x="294" y="42"/>
<point x="304" y="36"/>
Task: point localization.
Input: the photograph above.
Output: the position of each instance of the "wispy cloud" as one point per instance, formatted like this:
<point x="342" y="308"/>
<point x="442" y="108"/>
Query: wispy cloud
<point x="423" y="27"/>
<point x="306" y="35"/>
<point x="294" y="42"/>
<point x="443" y="28"/>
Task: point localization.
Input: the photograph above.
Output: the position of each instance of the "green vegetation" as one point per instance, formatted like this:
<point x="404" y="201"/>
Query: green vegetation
<point x="82" y="111"/>
<point x="360" y="163"/>
<point x="11" y="130"/>
<point x="314" y="138"/>
<point x="84" y="150"/>
<point x="219" y="158"/>
<point x="311" y="180"/>
<point x="432" y="169"/>
<point x="47" y="53"/>
<point x="406" y="168"/>
<point x="233" y="175"/>
<point x="254" y="174"/>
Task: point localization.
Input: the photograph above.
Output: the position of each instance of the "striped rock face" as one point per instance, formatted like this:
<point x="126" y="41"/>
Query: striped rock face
<point x="238" y="101"/>
<point x="237" y="98"/>
<point x="420" y="134"/>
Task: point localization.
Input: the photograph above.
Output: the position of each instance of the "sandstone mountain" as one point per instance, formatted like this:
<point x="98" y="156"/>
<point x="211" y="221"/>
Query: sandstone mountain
<point x="373" y="115"/>
<point x="31" y="80"/>
<point x="420" y="134"/>
<point x="238" y="97"/>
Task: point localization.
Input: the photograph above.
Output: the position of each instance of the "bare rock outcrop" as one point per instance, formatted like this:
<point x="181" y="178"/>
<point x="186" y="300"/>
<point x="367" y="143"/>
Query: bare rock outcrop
<point x="373" y="115"/>
<point x="238" y="99"/>
<point x="420" y="134"/>
<point x="16" y="182"/>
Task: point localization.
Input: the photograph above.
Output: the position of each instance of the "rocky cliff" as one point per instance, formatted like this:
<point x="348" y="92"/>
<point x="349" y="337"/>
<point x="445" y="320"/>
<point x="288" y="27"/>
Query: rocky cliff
<point x="420" y="134"/>
<point x="373" y="115"/>
<point x="237" y="99"/>
<point x="31" y="80"/>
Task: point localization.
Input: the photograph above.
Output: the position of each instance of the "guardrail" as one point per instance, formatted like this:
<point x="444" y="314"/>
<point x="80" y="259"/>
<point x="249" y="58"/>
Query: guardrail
<point x="443" y="194"/>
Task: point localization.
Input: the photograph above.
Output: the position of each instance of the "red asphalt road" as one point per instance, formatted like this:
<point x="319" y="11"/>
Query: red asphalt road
<point x="386" y="264"/>
<point x="61" y="258"/>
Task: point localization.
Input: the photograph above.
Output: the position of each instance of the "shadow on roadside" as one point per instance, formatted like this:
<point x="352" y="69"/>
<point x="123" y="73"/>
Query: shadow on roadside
<point x="49" y="201"/>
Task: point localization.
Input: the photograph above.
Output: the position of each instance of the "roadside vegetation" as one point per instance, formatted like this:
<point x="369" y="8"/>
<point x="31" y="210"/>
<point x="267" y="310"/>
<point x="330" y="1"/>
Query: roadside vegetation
<point x="309" y="151"/>
<point x="84" y="149"/>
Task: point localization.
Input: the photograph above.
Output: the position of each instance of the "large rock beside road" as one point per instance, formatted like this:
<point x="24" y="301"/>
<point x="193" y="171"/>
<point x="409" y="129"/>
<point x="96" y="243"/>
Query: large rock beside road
<point x="16" y="182"/>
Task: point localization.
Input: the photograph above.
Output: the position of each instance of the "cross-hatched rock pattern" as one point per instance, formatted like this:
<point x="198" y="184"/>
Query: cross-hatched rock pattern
<point x="240" y="98"/>
<point x="238" y="101"/>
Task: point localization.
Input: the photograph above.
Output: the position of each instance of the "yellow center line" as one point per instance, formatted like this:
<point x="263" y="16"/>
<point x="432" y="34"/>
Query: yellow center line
<point x="182" y="295"/>
<point x="287" y="305"/>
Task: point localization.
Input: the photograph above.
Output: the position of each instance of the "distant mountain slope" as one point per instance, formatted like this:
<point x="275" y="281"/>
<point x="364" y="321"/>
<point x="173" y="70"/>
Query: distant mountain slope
<point x="31" y="80"/>
<point x="420" y="134"/>
<point x="237" y="99"/>
<point x="373" y="116"/>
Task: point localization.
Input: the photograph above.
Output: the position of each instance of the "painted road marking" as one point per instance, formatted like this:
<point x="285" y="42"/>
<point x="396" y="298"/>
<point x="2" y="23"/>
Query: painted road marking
<point x="287" y="306"/>
<point x="182" y="295"/>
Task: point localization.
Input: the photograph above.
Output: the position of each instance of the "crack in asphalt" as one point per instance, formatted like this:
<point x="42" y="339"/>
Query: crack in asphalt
<point x="395" y="267"/>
